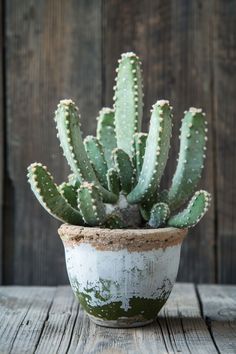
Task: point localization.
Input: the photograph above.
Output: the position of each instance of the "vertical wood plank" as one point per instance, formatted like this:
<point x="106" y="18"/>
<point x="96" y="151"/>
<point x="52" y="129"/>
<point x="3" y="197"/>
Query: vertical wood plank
<point x="1" y="136"/>
<point x="182" y="323"/>
<point x="53" y="52"/>
<point x="23" y="312"/>
<point x="225" y="118"/>
<point x="173" y="39"/>
<point x="58" y="327"/>
<point x="219" y="309"/>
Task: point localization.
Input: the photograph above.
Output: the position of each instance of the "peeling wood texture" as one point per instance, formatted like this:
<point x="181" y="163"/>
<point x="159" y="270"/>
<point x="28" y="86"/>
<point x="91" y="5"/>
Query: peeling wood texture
<point x="57" y="49"/>
<point x="49" y="320"/>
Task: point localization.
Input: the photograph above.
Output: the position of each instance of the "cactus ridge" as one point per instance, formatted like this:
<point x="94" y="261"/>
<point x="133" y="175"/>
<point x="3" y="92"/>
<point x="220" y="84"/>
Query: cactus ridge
<point x="73" y="181"/>
<point x="146" y="206"/>
<point x="191" y="158"/>
<point x="97" y="158"/>
<point x="128" y="101"/>
<point x="159" y="214"/>
<point x="106" y="133"/>
<point x="113" y="181"/>
<point x="156" y="153"/>
<point x="69" y="134"/>
<point x="195" y="210"/>
<point x="124" y="168"/>
<point x="90" y="204"/>
<point x="49" y="196"/>
<point x="116" y="176"/>
<point x="139" y="145"/>
<point x="69" y="192"/>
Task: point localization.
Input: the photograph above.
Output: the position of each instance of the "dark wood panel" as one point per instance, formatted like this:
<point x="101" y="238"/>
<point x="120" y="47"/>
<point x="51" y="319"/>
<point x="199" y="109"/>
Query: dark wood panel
<point x="174" y="40"/>
<point x="53" y="51"/>
<point x="1" y="135"/>
<point x="225" y="122"/>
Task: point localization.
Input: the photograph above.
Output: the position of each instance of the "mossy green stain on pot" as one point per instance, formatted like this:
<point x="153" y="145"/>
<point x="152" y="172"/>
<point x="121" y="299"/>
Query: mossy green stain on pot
<point x="146" y="309"/>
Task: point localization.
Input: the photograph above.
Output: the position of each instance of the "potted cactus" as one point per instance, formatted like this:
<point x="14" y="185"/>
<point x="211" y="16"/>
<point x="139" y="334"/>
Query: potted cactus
<point x="122" y="234"/>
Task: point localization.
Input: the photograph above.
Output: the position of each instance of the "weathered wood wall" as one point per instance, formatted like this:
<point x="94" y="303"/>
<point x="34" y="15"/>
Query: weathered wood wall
<point x="56" y="49"/>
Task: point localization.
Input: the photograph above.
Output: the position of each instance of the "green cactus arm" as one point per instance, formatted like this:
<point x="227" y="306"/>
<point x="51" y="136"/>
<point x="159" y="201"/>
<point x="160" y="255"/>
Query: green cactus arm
<point x="146" y="206"/>
<point x="90" y="204"/>
<point x="114" y="221"/>
<point x="191" y="158"/>
<point x="124" y="168"/>
<point x="139" y="144"/>
<point x="113" y="181"/>
<point x="69" y="192"/>
<point x="128" y="101"/>
<point x="96" y="156"/>
<point x="69" y="134"/>
<point x="195" y="210"/>
<point x="50" y="198"/>
<point x="159" y="214"/>
<point x="73" y="181"/>
<point x="163" y="196"/>
<point x="106" y="133"/>
<point x="67" y="120"/>
<point x="156" y="153"/>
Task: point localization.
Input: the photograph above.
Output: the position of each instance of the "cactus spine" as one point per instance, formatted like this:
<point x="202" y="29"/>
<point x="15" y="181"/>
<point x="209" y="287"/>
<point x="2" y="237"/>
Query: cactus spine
<point x="115" y="180"/>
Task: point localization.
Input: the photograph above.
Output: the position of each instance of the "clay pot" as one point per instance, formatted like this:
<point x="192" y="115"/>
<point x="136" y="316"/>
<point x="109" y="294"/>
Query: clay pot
<point x="122" y="278"/>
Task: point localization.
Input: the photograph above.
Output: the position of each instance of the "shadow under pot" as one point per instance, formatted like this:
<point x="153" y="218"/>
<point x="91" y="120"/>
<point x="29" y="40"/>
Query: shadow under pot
<point x="122" y="278"/>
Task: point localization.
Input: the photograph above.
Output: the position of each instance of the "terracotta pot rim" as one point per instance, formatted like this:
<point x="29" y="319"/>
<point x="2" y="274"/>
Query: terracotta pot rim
<point x="115" y="239"/>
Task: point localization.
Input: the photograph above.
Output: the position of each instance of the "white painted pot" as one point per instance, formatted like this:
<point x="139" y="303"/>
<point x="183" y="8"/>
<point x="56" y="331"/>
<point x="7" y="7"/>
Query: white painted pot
<point x="122" y="278"/>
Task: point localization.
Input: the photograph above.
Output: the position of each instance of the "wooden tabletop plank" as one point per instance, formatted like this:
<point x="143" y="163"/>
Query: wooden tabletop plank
<point x="219" y="308"/>
<point x="178" y="328"/>
<point x="23" y="313"/>
<point x="49" y="320"/>
<point x="95" y="339"/>
<point x="59" y="323"/>
<point x="184" y="326"/>
<point x="31" y="327"/>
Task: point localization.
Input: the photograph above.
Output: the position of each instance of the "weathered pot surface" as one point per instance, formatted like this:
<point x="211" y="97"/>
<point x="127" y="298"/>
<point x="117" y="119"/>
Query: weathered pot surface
<point x="122" y="278"/>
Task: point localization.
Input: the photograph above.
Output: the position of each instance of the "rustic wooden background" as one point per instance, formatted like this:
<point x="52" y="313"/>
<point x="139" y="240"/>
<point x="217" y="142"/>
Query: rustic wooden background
<point x="55" y="49"/>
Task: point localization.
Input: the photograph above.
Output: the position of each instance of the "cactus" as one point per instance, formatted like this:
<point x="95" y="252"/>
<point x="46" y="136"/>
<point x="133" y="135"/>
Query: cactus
<point x="116" y="176"/>
<point x="159" y="214"/>
<point x="106" y="133"/>
<point x="90" y="204"/>
<point x="128" y="101"/>
<point x="139" y="146"/>
<point x="195" y="210"/>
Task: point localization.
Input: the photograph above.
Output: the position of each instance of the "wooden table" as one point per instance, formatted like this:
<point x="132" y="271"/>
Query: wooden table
<point x="48" y="320"/>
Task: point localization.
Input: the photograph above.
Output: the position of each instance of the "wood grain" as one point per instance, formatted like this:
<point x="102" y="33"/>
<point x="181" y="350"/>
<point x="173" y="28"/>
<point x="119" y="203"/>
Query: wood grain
<point x="49" y="320"/>
<point x="219" y="308"/>
<point x="182" y="323"/>
<point x="179" y="328"/>
<point x="173" y="39"/>
<point x="225" y="131"/>
<point x="23" y="313"/>
<point x="53" y="51"/>
<point x="58" y="327"/>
